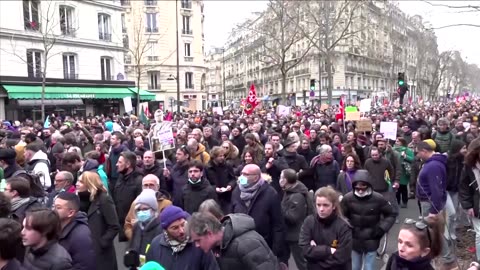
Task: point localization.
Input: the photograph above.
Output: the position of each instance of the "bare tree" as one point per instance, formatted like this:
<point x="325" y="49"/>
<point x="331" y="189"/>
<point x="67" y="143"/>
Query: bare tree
<point x="138" y="51"/>
<point x="439" y="73"/>
<point x="282" y="44"/>
<point x="330" y="25"/>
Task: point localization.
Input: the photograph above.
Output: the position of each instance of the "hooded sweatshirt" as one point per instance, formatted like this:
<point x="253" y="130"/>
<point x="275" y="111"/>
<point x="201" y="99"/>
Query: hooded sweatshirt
<point x="432" y="182"/>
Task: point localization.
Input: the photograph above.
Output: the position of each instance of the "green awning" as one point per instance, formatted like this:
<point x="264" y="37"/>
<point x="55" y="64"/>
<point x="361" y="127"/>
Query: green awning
<point x="67" y="92"/>
<point x="144" y="94"/>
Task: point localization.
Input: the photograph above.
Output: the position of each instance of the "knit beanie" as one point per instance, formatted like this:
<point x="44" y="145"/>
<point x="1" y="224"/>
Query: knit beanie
<point x="147" y="197"/>
<point x="171" y="214"/>
<point x="151" y="265"/>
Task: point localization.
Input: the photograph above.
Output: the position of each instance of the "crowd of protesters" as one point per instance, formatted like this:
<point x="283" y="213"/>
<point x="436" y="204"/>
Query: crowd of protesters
<point x="240" y="191"/>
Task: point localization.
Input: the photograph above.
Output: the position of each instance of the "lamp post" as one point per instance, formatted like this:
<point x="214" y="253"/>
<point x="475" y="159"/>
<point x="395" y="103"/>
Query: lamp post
<point x="178" y="58"/>
<point x="223" y="76"/>
<point x="173" y="78"/>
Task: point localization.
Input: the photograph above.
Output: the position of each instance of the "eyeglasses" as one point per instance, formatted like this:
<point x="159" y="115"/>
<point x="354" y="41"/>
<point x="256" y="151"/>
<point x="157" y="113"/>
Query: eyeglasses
<point x="360" y="188"/>
<point x="420" y="225"/>
<point x="225" y="147"/>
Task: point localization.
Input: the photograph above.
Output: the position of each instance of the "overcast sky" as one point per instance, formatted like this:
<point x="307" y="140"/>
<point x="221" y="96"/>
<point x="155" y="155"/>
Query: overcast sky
<point x="222" y="16"/>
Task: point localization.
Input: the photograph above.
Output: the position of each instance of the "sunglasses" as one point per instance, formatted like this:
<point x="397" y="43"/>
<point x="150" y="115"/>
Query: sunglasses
<point x="420" y="225"/>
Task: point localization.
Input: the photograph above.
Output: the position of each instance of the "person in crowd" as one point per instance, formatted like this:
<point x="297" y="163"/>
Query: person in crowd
<point x="253" y="144"/>
<point x="443" y="136"/>
<point x="355" y="141"/>
<point x="5" y="205"/>
<point x="238" y="139"/>
<point x="431" y="190"/>
<point x="10" y="238"/>
<point x="306" y="151"/>
<point x="209" y="139"/>
<point x="177" y="177"/>
<point x="18" y="191"/>
<point x="326" y="237"/>
<point x="325" y="168"/>
<point x="152" y="166"/>
<point x="455" y="165"/>
<point x="294" y="160"/>
<point x="371" y="216"/>
<point x="173" y="248"/>
<point x="212" y="207"/>
<point x="36" y="161"/>
<point x="255" y="197"/>
<point x="232" y="154"/>
<point x="406" y="159"/>
<point x="72" y="162"/>
<point x="221" y="176"/>
<point x="326" y="140"/>
<point x="235" y="240"/>
<point x="351" y="164"/>
<point x="198" y="151"/>
<point x="296" y="206"/>
<point x="8" y="162"/>
<point x="40" y="233"/>
<point x="75" y="235"/>
<point x="150" y="181"/>
<point x="102" y="218"/>
<point x="92" y="164"/>
<point x="273" y="164"/>
<point x="116" y="148"/>
<point x="381" y="170"/>
<point x="198" y="188"/>
<point x="63" y="182"/>
<point x="419" y="242"/>
<point x="147" y="225"/>
<point x="127" y="188"/>
<point x="248" y="157"/>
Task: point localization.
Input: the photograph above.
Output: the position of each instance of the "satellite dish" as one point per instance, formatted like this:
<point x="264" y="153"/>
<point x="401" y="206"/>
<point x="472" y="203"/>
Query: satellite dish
<point x="120" y="77"/>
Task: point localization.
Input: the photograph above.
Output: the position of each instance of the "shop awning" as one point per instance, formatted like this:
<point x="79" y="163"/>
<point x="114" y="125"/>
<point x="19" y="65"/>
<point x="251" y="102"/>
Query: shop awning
<point x="66" y="92"/>
<point x="144" y="94"/>
<point x="50" y="102"/>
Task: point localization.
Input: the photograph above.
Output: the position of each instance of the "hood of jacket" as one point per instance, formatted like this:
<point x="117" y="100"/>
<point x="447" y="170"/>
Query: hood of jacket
<point x="200" y="150"/>
<point x="234" y="226"/>
<point x="152" y="169"/>
<point x="361" y="176"/>
<point x="437" y="158"/>
<point x="90" y="165"/>
<point x="299" y="187"/>
<point x="80" y="218"/>
<point x="39" y="155"/>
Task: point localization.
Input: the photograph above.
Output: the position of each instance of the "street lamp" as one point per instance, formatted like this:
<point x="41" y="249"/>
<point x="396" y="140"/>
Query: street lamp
<point x="224" y="90"/>
<point x="173" y="78"/>
<point x="178" y="58"/>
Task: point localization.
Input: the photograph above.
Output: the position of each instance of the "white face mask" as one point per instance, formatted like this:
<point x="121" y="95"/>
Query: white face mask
<point x="364" y="194"/>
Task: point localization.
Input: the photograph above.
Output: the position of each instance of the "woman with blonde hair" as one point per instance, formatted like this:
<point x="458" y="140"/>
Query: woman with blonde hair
<point x="102" y="218"/>
<point x="326" y="237"/>
<point x="232" y="157"/>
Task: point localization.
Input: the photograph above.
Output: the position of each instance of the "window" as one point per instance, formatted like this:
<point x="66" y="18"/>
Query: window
<point x="151" y="22"/>
<point x="186" y="25"/>
<point x="104" y="27"/>
<point x="154" y="77"/>
<point x="187" y="4"/>
<point x="152" y="45"/>
<point x="66" y="20"/>
<point x="34" y="63"/>
<point x="187" y="49"/>
<point x="189" y="80"/>
<point x="69" y="67"/>
<point x="106" y="68"/>
<point x="30" y="14"/>
<point x="150" y="2"/>
<point x="124" y="25"/>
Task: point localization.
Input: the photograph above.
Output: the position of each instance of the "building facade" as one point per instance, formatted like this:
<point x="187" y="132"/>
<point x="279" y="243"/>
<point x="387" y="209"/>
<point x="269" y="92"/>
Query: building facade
<point x="363" y="65"/>
<point x="79" y="43"/>
<point x="150" y="34"/>
<point x="214" y="78"/>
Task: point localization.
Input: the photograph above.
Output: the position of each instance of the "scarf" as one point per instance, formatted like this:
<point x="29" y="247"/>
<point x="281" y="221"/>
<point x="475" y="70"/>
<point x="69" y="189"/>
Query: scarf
<point x="18" y="202"/>
<point x="248" y="192"/>
<point x="421" y="263"/>
<point x="174" y="244"/>
<point x="321" y="159"/>
<point x="476" y="172"/>
<point x="349" y="174"/>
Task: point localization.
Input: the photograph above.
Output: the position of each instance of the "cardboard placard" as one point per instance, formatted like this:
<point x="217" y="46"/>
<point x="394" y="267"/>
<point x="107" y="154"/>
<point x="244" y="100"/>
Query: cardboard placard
<point x="127" y="103"/>
<point x="283" y="110"/>
<point x="324" y="107"/>
<point x="364" y="125"/>
<point x="351" y="109"/>
<point x="163" y="141"/>
<point x="352" y="116"/>
<point x="218" y="110"/>
<point x="365" y="105"/>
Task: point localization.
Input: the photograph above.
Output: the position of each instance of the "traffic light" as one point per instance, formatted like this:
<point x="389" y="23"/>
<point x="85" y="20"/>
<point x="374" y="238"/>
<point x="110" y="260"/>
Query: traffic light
<point x="401" y="79"/>
<point x="312" y="84"/>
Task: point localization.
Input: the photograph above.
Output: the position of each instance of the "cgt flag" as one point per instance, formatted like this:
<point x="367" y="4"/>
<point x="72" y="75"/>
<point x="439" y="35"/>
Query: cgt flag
<point x="251" y="101"/>
<point x="341" y="109"/>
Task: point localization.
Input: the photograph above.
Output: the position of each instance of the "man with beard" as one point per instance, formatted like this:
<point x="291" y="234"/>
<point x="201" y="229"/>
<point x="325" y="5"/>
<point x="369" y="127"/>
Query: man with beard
<point x="198" y="189"/>
<point x="238" y="140"/>
<point x="273" y="164"/>
<point x="127" y="187"/>
<point x="209" y="139"/>
<point x="75" y="236"/>
<point x="151" y="166"/>
<point x="443" y="137"/>
<point x="173" y="250"/>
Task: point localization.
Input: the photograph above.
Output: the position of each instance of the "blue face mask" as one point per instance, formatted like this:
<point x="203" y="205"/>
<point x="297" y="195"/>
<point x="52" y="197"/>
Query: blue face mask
<point x="144" y="215"/>
<point x="243" y="180"/>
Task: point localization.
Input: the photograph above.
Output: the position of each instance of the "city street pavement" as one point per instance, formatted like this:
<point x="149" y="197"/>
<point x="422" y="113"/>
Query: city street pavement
<point x="410" y="212"/>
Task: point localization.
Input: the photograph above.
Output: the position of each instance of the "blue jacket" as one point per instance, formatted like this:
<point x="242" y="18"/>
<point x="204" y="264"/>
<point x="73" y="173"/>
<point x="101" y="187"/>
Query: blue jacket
<point x="76" y="239"/>
<point x="432" y="182"/>
<point x="190" y="258"/>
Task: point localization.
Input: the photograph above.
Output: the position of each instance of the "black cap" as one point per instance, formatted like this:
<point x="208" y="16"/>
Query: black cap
<point x="7" y="153"/>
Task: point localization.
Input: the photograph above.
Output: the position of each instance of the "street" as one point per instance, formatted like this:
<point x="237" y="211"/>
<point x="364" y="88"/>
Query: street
<point x="410" y="212"/>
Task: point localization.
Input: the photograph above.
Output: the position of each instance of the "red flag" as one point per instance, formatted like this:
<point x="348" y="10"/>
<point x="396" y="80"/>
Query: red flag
<point x="147" y="111"/>
<point x="341" y="109"/>
<point x="252" y="101"/>
<point x="410" y="100"/>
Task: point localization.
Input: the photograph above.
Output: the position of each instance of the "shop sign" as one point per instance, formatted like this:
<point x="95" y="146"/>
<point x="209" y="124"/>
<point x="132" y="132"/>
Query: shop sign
<point x="78" y="96"/>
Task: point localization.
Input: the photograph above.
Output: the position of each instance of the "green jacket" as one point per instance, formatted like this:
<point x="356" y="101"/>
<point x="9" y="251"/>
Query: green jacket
<point x="409" y="157"/>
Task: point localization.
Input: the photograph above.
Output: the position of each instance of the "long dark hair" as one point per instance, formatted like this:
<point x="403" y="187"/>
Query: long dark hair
<point x="472" y="157"/>
<point x="356" y="162"/>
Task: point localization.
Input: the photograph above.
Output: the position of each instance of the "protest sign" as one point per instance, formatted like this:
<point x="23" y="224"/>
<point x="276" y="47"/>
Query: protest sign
<point x="352" y="116"/>
<point x="364" y="125"/>
<point x="389" y="130"/>
<point x="365" y="105"/>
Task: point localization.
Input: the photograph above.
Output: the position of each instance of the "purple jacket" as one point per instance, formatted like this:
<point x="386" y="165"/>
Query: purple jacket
<point x="432" y="182"/>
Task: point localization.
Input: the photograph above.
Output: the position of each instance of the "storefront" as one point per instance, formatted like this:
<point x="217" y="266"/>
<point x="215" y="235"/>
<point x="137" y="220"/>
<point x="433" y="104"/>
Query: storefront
<point x="21" y="101"/>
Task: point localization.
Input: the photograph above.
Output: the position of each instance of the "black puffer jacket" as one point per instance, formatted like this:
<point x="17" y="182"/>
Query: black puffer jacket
<point x="195" y="194"/>
<point x="294" y="210"/>
<point x="52" y="257"/>
<point x="468" y="194"/>
<point x="365" y="215"/>
<point x="221" y="176"/>
<point x="143" y="235"/>
<point x="242" y="247"/>
<point x="157" y="170"/>
<point x="331" y="232"/>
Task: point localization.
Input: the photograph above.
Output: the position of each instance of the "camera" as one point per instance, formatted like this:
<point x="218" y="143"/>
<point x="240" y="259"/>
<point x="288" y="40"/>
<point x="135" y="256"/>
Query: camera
<point x="131" y="259"/>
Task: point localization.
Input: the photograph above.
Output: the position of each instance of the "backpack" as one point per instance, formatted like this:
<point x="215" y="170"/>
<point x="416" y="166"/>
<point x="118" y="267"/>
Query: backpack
<point x="36" y="187"/>
<point x="310" y="198"/>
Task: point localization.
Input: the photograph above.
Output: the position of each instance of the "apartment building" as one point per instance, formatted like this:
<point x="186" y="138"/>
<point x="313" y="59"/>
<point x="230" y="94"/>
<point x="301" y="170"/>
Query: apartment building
<point x="387" y="41"/>
<point x="79" y="43"/>
<point x="150" y="34"/>
<point x="214" y="82"/>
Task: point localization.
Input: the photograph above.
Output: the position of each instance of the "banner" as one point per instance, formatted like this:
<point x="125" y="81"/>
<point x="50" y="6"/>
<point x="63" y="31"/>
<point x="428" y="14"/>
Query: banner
<point x="252" y="101"/>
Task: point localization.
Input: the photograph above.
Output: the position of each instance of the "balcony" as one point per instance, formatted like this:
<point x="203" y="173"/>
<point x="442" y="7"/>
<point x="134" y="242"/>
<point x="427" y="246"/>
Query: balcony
<point x="105" y="36"/>
<point x="125" y="3"/>
<point x="187" y="32"/>
<point x="124" y="30"/>
<point x="152" y="58"/>
<point x="70" y="76"/>
<point x="153" y="87"/>
<point x="108" y="78"/>
<point x="188" y="58"/>
<point x="151" y="29"/>
<point x="150" y="3"/>
<point x="189" y="86"/>
<point x="33" y="26"/>
<point x="68" y="31"/>
<point x="186" y="4"/>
